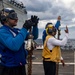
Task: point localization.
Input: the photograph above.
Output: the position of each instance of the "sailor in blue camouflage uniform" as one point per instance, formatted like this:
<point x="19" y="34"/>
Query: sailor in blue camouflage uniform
<point x="12" y="45"/>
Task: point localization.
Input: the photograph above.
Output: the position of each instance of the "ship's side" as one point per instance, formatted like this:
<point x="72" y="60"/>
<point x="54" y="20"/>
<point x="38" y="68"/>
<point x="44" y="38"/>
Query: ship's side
<point x="21" y="11"/>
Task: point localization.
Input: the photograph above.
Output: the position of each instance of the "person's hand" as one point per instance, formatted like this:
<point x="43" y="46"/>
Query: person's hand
<point x="63" y="63"/>
<point x="28" y="24"/>
<point x="59" y="18"/>
<point x="34" y="19"/>
<point x="66" y="30"/>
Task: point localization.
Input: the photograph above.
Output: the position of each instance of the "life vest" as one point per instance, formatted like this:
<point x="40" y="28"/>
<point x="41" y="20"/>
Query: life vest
<point x="51" y="55"/>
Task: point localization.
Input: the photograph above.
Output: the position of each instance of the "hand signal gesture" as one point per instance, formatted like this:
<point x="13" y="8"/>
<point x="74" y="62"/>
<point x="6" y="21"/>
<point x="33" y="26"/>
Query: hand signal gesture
<point x="66" y="30"/>
<point x="59" y="18"/>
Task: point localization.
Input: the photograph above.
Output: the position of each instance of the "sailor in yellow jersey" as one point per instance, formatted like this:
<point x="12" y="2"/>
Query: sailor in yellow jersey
<point x="51" y="52"/>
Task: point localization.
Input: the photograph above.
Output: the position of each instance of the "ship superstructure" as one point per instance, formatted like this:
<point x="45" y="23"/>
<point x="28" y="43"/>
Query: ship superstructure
<point x="18" y="7"/>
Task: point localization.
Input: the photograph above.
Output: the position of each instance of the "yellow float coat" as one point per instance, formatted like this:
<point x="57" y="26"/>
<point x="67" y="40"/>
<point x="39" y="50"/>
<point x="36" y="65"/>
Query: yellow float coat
<point x="49" y="55"/>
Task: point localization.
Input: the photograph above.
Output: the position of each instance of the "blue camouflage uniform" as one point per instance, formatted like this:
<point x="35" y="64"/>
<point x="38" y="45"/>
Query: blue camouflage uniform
<point x="12" y="46"/>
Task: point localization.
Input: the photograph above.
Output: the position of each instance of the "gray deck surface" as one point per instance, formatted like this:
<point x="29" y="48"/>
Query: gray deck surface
<point x="68" y="55"/>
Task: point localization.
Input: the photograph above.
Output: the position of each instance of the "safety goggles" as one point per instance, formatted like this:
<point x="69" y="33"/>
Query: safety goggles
<point x="13" y="16"/>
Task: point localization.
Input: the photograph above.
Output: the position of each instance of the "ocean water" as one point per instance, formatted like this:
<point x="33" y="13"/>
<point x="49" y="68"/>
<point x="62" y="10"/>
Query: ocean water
<point x="69" y="46"/>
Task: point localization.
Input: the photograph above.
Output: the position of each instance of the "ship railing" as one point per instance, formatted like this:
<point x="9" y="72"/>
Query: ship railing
<point x="17" y="3"/>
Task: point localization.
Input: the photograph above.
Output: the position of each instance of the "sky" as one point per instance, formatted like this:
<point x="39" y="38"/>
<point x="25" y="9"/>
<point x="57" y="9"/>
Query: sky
<point x="49" y="10"/>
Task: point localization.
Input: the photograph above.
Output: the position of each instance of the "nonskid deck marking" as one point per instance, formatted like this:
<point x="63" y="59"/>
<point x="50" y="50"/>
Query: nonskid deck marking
<point x="39" y="63"/>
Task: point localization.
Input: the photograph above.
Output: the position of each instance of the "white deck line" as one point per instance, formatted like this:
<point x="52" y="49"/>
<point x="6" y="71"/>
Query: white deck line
<point x="39" y="63"/>
<point x="74" y="62"/>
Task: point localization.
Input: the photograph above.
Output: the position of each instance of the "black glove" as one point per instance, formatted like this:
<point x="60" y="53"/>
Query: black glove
<point x="34" y="19"/>
<point x="28" y="24"/>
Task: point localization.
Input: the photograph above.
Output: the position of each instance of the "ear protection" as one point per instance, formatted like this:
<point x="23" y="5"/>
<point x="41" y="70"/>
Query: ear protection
<point x="50" y="29"/>
<point x="2" y="18"/>
<point x="7" y="13"/>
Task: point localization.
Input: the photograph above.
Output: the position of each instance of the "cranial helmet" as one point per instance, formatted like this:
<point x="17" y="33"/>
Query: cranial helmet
<point x="7" y="13"/>
<point x="48" y="24"/>
<point x="50" y="29"/>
